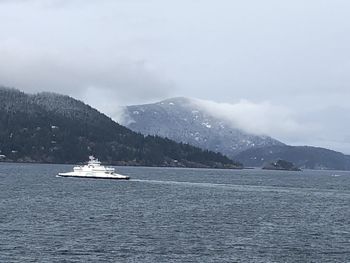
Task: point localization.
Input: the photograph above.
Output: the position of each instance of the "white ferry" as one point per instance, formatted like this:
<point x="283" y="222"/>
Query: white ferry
<point x="94" y="169"/>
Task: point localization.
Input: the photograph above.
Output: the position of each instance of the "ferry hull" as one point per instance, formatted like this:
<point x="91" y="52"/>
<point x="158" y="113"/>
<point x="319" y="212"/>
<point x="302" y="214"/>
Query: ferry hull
<point x="110" y="177"/>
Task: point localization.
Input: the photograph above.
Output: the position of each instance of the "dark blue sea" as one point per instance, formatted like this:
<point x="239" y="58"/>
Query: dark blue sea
<point x="174" y="215"/>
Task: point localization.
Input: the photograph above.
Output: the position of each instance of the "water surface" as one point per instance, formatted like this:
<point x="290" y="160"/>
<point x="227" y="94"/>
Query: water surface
<point x="174" y="215"/>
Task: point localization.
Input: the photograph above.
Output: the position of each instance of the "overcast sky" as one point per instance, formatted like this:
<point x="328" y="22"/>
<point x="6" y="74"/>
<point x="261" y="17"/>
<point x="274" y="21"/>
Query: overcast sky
<point x="284" y="65"/>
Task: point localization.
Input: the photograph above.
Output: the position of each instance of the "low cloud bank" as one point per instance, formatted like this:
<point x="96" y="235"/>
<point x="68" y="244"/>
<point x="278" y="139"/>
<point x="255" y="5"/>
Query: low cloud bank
<point x="324" y="127"/>
<point x="103" y="82"/>
<point x="260" y="119"/>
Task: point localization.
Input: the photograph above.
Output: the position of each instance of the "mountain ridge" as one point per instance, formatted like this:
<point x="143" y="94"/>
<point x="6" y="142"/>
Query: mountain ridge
<point x="55" y="128"/>
<point x="182" y="120"/>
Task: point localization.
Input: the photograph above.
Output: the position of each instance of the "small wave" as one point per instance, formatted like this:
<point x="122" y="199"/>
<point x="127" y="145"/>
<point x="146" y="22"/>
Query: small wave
<point x="335" y="175"/>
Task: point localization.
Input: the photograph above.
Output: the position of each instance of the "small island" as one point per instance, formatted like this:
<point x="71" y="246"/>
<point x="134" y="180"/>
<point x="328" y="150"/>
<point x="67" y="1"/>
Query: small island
<point x="281" y="165"/>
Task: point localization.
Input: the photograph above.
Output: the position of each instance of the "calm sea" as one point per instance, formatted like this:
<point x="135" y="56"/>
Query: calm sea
<point x="174" y="215"/>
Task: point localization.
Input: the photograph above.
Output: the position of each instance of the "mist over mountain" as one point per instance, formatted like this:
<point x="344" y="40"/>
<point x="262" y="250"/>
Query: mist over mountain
<point x="48" y="127"/>
<point x="184" y="120"/>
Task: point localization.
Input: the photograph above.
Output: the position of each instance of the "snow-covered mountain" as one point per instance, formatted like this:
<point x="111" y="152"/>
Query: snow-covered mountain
<point x="184" y="120"/>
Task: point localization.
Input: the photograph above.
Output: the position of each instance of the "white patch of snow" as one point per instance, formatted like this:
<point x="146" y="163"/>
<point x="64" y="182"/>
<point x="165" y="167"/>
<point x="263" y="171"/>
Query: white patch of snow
<point x="136" y="112"/>
<point x="206" y="124"/>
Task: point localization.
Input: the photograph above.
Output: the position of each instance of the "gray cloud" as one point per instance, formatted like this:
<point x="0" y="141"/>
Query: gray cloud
<point x="105" y="83"/>
<point x="289" y="57"/>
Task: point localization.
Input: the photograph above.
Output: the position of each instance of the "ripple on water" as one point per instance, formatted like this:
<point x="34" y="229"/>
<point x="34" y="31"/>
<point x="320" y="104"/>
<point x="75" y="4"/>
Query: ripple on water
<point x="174" y="215"/>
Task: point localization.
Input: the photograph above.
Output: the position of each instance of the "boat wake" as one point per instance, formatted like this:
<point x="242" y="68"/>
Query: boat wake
<point x="251" y="188"/>
<point x="182" y="183"/>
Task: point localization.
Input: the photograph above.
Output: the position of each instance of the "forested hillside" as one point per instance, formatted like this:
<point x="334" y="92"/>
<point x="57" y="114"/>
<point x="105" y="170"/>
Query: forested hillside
<point x="53" y="128"/>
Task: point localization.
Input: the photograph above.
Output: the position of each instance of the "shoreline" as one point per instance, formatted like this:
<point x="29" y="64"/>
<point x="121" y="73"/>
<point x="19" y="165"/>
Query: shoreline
<point x="132" y="165"/>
